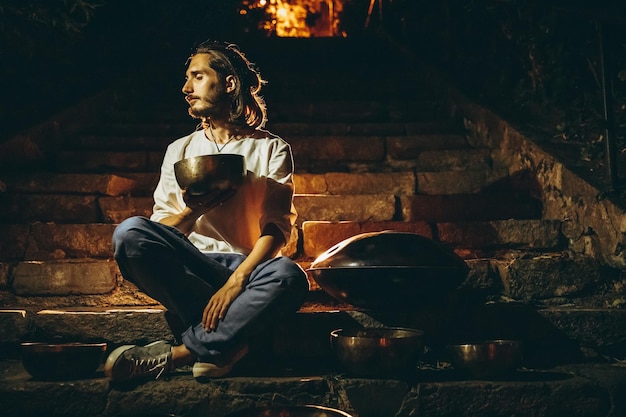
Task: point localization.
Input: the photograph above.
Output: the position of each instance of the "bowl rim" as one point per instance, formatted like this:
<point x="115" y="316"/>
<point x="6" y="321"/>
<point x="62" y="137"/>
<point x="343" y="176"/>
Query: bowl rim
<point x="414" y="333"/>
<point x="487" y="342"/>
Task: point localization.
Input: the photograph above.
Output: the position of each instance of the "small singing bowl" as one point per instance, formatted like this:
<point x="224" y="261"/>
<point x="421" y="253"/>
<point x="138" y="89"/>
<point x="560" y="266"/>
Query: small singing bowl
<point x="290" y="411"/>
<point x="489" y="359"/>
<point x="62" y="361"/>
<point x="377" y="352"/>
<point x="206" y="173"/>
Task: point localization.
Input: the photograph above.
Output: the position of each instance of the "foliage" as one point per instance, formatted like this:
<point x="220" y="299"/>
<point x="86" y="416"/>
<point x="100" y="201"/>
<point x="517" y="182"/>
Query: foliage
<point x="537" y="62"/>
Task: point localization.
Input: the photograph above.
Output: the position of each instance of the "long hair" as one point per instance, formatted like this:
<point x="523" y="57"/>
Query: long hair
<point x="247" y="106"/>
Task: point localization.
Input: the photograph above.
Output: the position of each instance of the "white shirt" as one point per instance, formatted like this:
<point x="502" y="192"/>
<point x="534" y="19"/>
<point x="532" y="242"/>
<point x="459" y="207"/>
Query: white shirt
<point x="264" y="198"/>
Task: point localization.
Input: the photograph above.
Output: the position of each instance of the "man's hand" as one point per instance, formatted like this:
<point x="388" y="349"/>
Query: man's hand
<point x="218" y="305"/>
<point x="205" y="202"/>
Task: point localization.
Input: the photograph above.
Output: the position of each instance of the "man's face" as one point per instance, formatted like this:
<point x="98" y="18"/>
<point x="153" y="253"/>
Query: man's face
<point x="203" y="89"/>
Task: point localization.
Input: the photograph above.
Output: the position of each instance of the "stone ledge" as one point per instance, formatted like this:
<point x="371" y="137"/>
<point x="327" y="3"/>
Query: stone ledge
<point x="573" y="390"/>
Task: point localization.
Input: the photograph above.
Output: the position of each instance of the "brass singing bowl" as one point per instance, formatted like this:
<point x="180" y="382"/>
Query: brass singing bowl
<point x="488" y="359"/>
<point x="61" y="361"/>
<point x="203" y="174"/>
<point x="372" y="352"/>
<point x="290" y="411"/>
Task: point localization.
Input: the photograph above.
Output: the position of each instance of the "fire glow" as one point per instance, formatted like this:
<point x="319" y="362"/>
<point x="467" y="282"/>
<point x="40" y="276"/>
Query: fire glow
<point x="299" y="18"/>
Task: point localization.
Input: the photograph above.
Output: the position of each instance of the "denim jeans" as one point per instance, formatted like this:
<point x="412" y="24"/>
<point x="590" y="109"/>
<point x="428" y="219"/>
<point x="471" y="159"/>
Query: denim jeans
<point x="164" y="264"/>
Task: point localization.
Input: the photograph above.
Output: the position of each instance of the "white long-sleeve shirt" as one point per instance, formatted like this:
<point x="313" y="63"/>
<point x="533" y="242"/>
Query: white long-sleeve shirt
<point x="265" y="196"/>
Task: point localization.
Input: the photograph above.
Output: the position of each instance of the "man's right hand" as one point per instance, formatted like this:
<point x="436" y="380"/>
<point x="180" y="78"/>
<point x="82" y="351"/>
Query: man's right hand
<point x="201" y="204"/>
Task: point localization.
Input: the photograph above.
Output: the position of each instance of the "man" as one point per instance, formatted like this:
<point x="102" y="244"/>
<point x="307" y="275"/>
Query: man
<point x="211" y="260"/>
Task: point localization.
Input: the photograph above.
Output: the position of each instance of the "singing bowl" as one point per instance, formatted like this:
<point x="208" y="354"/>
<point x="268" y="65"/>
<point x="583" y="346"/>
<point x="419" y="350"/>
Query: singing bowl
<point x="206" y="173"/>
<point x="390" y="270"/>
<point x="371" y="352"/>
<point x="489" y="359"/>
<point x="61" y="361"/>
<point x="290" y="411"/>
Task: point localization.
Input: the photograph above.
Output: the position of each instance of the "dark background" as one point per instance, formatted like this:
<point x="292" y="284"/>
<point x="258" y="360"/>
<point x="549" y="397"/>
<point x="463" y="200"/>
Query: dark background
<point x="535" y="62"/>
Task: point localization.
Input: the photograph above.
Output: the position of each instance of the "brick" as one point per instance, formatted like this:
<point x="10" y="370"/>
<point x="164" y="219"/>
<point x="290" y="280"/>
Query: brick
<point x="14" y="325"/>
<point x="74" y="161"/>
<point x="333" y="149"/>
<point x="340" y="183"/>
<point x="453" y="160"/>
<point x="13" y="241"/>
<point x="346" y="207"/>
<point x="535" y="234"/>
<point x="5" y="273"/>
<point x="57" y="208"/>
<point x="412" y="145"/>
<point x="64" y="277"/>
<point x="114" y="326"/>
<point x="318" y="236"/>
<point x="457" y="182"/>
<point x="470" y="207"/>
<point x="57" y="241"/>
<point x="310" y="184"/>
<point x="105" y="184"/>
<point x="549" y="275"/>
<point x="117" y="209"/>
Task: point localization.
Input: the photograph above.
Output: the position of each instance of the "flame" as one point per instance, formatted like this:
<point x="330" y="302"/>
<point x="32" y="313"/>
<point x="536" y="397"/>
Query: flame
<point x="300" y="18"/>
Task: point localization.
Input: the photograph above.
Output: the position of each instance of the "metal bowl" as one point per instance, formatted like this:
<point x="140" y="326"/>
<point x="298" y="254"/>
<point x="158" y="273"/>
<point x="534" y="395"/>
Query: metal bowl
<point x="371" y="352"/>
<point x="203" y="174"/>
<point x="62" y="361"/>
<point x="489" y="359"/>
<point x="290" y="411"/>
<point x="388" y="269"/>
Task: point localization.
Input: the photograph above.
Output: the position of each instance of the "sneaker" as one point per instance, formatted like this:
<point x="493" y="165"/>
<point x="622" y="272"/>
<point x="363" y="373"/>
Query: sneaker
<point x="222" y="366"/>
<point x="133" y="362"/>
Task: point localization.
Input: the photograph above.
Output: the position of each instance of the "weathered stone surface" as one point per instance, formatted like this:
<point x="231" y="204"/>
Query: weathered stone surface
<point x="409" y="147"/>
<point x="5" y="269"/>
<point x="535" y="234"/>
<point x="24" y="397"/>
<point x="84" y="276"/>
<point x="601" y="329"/>
<point x="318" y="236"/>
<point x="538" y="396"/>
<point x="482" y="277"/>
<point x="470" y="207"/>
<point x="14" y="326"/>
<point x="347" y="148"/>
<point x="117" y="209"/>
<point x="454" y="160"/>
<point x="373" y="397"/>
<point x="96" y="161"/>
<point x="348" y="207"/>
<point x="104" y="184"/>
<point x="338" y="183"/>
<point x="549" y="275"/>
<point x="114" y="326"/>
<point x="457" y="182"/>
<point x="56" y="208"/>
<point x="58" y="241"/>
<point x="13" y="241"/>
<point x="594" y="226"/>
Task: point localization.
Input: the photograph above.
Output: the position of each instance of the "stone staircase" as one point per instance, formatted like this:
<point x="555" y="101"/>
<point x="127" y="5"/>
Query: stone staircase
<point x="375" y="148"/>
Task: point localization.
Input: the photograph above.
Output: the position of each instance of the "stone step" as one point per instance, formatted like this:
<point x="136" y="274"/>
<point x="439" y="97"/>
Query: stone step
<point x="151" y="133"/>
<point x="344" y="109"/>
<point x="48" y="241"/>
<point x="576" y="390"/>
<point x="553" y="336"/>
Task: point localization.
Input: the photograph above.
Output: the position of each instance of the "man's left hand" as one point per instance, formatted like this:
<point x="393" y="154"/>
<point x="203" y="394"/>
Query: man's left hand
<point x="218" y="305"/>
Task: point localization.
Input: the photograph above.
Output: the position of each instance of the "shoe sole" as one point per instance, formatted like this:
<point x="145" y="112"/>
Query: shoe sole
<point x="205" y="370"/>
<point x="112" y="358"/>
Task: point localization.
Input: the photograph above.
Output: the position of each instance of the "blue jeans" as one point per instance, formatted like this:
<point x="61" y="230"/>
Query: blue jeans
<point x="164" y="264"/>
